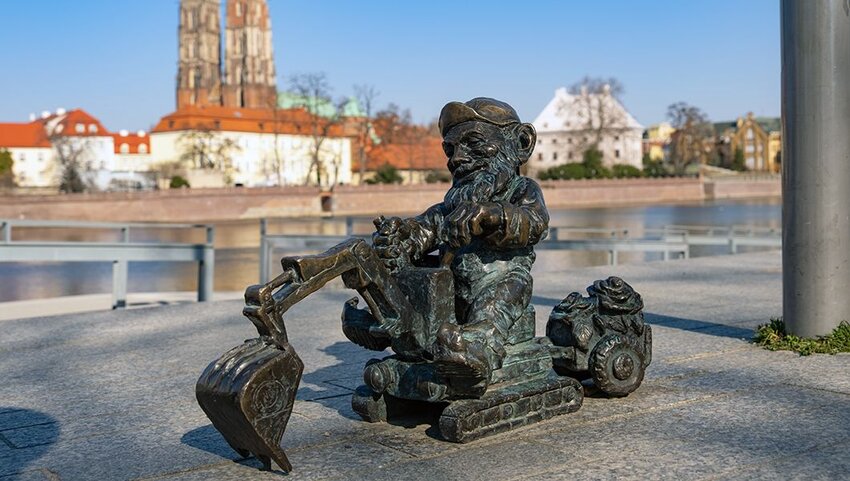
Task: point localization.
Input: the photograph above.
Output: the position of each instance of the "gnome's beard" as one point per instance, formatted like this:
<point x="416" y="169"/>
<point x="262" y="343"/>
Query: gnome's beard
<point x="481" y="185"/>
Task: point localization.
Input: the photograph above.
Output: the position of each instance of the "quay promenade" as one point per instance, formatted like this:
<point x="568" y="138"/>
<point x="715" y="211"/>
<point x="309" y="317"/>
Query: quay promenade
<point x="110" y="395"/>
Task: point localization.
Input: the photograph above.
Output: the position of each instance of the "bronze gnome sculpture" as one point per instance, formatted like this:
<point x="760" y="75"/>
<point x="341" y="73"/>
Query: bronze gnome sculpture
<point x="449" y="293"/>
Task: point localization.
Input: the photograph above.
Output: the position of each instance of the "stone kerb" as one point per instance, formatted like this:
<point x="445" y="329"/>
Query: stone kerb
<point x="745" y="187"/>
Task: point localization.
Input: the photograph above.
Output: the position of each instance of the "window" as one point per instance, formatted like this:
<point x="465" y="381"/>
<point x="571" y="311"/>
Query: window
<point x="238" y="9"/>
<point x="143" y="148"/>
<point x="41" y="156"/>
<point x="540" y="157"/>
<point x="554" y="141"/>
<point x="569" y="155"/>
<point x="80" y="128"/>
<point x="22" y="157"/>
<point x="617" y="153"/>
<point x="616" y="137"/>
<point x="124" y="149"/>
<point x="570" y="140"/>
<point x="92" y="128"/>
<point x="554" y="156"/>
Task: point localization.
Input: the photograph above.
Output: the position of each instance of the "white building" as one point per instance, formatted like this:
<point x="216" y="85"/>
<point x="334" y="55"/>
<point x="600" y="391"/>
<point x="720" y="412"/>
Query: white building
<point x="38" y="146"/>
<point x="132" y="151"/>
<point x="252" y="147"/>
<point x="33" y="157"/>
<point x="569" y="124"/>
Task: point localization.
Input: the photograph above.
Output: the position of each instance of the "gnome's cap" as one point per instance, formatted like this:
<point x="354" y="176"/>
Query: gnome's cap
<point x="481" y="109"/>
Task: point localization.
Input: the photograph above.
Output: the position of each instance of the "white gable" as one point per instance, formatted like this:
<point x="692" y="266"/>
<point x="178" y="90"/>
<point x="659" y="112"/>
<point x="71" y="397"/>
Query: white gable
<point x="566" y="112"/>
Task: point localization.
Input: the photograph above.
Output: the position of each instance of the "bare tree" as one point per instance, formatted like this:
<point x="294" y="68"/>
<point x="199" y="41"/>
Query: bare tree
<point x="276" y="120"/>
<point x="75" y="164"/>
<point x="366" y="95"/>
<point x="314" y="92"/>
<point x="596" y="102"/>
<point x="203" y="149"/>
<point x="692" y="141"/>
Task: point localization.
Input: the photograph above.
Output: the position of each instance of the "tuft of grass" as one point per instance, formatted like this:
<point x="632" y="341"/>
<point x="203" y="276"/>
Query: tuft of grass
<point x="773" y="337"/>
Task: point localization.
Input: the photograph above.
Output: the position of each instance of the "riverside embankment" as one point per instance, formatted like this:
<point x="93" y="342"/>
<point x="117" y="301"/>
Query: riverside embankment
<point x="197" y="205"/>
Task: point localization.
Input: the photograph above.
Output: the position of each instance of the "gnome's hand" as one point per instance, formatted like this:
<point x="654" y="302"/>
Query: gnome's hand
<point x="471" y="219"/>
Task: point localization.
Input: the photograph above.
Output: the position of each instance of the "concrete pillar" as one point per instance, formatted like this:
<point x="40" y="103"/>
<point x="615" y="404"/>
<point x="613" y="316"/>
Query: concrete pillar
<point x="815" y="164"/>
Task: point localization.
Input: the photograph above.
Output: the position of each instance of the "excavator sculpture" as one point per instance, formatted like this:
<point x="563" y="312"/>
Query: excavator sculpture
<point x="449" y="293"/>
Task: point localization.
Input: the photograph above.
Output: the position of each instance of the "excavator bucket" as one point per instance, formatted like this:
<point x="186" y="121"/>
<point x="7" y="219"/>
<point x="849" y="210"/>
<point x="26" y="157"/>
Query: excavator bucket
<point x="248" y="394"/>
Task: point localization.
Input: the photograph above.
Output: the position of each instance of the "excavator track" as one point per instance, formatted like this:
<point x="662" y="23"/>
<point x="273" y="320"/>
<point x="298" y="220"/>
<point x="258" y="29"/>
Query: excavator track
<point x="503" y="408"/>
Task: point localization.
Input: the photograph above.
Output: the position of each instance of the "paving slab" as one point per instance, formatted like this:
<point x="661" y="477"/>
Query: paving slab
<point x="109" y="395"/>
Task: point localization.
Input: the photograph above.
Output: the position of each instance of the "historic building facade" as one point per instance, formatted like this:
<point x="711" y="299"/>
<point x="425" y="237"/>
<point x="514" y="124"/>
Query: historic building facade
<point x="657" y="139"/>
<point x="254" y="147"/>
<point x="570" y="124"/>
<point x="41" y="146"/>
<point x="246" y="77"/>
<point x="759" y="139"/>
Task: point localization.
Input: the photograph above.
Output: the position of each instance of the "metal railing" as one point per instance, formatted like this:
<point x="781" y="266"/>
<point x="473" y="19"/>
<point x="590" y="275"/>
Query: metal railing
<point x="731" y="236"/>
<point x="612" y="241"/>
<point x="120" y="252"/>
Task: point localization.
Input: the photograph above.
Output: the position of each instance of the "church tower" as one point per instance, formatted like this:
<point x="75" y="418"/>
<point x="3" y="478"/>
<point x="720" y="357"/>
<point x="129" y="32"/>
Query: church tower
<point x="249" y="74"/>
<point x="199" y="69"/>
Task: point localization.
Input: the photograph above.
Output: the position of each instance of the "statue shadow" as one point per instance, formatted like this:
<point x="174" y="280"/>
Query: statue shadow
<point x="698" y="326"/>
<point x="207" y="438"/>
<point x="26" y="435"/>
<point x="346" y="374"/>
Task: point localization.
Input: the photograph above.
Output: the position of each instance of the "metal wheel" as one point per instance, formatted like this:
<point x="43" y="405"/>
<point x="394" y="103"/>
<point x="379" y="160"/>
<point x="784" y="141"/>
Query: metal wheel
<point x="616" y="366"/>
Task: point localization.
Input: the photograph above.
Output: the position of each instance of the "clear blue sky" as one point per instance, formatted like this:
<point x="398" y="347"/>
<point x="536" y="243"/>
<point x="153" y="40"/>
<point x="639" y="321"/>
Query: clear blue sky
<point x="117" y="58"/>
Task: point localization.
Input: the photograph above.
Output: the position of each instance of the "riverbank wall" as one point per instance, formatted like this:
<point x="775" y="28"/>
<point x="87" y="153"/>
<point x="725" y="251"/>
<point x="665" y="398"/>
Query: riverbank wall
<point x="196" y="205"/>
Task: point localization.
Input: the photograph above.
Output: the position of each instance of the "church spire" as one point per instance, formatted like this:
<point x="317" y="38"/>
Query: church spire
<point x="249" y="72"/>
<point x="199" y="68"/>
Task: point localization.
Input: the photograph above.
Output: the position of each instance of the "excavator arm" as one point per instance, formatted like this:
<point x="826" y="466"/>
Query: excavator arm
<point x="394" y="318"/>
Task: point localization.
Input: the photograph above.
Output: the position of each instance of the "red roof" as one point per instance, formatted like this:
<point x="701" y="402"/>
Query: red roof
<point x="229" y="119"/>
<point x="76" y="123"/>
<point x="424" y="154"/>
<point x="133" y="141"/>
<point x="23" y="135"/>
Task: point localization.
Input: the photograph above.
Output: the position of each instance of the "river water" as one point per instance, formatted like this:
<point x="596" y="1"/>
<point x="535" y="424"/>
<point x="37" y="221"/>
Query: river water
<point x="237" y="258"/>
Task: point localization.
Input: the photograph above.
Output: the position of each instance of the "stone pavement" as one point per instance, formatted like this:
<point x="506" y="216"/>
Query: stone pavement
<point x="110" y="395"/>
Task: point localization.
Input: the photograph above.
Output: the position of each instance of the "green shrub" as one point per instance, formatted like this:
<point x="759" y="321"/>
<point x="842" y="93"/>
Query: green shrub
<point x="592" y="161"/>
<point x="625" y="171"/>
<point x="653" y="167"/>
<point x="178" y="182"/>
<point x="564" y="172"/>
<point x="438" y="177"/>
<point x="386" y="174"/>
<point x="7" y="174"/>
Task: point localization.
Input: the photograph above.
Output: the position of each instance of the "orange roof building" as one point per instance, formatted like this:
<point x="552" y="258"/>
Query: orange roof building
<point x="256" y="147"/>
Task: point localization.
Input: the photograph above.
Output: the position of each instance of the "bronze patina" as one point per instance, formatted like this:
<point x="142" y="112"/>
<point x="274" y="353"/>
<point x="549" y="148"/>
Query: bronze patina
<point x="449" y="293"/>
